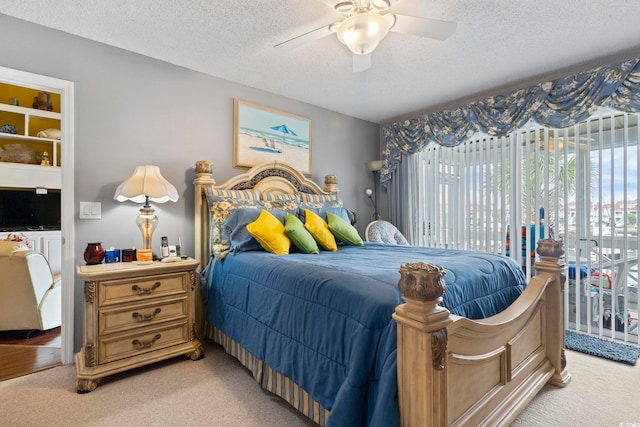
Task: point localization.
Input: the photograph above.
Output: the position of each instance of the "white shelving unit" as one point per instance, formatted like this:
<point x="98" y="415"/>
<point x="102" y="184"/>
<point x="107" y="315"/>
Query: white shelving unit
<point x="28" y="122"/>
<point x="30" y="175"/>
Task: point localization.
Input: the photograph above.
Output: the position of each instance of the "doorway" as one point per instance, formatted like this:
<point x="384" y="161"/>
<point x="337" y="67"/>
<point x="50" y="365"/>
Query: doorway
<point x="66" y="91"/>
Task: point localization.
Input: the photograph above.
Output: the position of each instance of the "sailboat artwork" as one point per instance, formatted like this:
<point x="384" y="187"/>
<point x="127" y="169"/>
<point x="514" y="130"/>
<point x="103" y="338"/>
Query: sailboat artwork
<point x="262" y="134"/>
<point x="270" y="144"/>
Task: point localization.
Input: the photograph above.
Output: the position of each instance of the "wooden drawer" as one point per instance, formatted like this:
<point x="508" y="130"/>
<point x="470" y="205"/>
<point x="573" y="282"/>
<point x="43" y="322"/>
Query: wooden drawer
<point x="120" y="346"/>
<point x="126" y="290"/>
<point x="135" y="315"/>
<point x="121" y="318"/>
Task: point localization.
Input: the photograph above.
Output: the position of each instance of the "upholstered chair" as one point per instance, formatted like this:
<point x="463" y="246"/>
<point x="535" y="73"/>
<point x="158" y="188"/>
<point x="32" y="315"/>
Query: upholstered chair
<point x="381" y="231"/>
<point x="30" y="295"/>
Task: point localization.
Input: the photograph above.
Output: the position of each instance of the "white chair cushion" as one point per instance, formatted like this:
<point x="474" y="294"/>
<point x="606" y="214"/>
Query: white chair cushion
<point x="384" y="232"/>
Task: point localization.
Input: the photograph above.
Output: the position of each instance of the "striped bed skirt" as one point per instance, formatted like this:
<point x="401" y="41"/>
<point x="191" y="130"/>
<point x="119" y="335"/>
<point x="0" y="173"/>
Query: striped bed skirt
<point x="270" y="379"/>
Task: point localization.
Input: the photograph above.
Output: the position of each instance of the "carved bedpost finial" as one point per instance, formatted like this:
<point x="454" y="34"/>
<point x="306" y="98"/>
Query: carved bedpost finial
<point x="422" y="281"/>
<point x="204" y="167"/>
<point x="550" y="252"/>
<point x="549" y="248"/>
<point x="331" y="184"/>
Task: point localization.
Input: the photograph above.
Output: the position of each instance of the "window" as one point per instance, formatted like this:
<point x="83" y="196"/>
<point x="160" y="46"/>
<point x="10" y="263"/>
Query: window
<point x="579" y="184"/>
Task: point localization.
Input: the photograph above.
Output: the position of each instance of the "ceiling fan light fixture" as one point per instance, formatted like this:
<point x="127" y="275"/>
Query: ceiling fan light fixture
<point x="361" y="33"/>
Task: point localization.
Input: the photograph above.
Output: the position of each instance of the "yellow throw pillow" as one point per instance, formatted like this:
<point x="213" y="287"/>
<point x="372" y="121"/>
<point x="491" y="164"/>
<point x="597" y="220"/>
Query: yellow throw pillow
<point x="320" y="231"/>
<point x="270" y="233"/>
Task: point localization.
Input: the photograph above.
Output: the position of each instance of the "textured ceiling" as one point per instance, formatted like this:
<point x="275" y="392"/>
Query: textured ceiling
<point x="498" y="44"/>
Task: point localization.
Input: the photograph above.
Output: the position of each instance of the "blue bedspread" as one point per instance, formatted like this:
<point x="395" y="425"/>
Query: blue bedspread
<point x="324" y="320"/>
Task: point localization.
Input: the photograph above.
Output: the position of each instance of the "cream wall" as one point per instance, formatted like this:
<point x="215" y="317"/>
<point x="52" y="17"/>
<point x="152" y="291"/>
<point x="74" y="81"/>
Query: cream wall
<point x="132" y="110"/>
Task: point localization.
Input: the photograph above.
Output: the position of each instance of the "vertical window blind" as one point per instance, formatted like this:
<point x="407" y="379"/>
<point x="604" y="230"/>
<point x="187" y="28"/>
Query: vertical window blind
<point x="578" y="184"/>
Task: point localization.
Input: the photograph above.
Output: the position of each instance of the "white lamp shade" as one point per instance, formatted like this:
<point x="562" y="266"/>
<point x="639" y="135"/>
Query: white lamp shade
<point x="146" y="181"/>
<point x="374" y="165"/>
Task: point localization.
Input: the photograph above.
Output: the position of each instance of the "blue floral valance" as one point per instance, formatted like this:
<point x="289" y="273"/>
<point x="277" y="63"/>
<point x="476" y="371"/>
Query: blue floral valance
<point x="560" y="103"/>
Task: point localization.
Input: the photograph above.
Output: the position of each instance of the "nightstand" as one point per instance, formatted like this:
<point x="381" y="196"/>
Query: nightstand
<point x="134" y="315"/>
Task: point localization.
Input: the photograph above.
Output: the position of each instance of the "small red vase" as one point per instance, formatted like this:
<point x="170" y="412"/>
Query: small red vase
<point x="94" y="253"/>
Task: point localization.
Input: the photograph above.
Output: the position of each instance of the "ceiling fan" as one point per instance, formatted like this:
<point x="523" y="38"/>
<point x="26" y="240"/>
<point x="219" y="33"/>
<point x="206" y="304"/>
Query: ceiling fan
<point x="364" y="26"/>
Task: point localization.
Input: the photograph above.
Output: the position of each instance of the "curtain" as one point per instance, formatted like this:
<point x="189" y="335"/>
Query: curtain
<point x="559" y="104"/>
<point x="405" y="191"/>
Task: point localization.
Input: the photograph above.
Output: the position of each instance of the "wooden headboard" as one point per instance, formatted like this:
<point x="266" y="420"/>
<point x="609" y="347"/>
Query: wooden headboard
<point x="271" y="177"/>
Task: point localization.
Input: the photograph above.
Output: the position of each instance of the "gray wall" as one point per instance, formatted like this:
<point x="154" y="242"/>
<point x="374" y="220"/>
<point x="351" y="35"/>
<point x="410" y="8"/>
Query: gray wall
<point x="132" y="110"/>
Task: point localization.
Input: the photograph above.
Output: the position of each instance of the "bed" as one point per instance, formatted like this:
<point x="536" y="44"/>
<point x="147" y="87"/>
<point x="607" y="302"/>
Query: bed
<point x="368" y="334"/>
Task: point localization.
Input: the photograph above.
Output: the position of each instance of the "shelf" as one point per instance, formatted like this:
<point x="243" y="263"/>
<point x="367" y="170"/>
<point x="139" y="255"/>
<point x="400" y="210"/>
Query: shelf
<point x="21" y="175"/>
<point x="28" y="122"/>
<point x="30" y="111"/>
<point x="17" y="137"/>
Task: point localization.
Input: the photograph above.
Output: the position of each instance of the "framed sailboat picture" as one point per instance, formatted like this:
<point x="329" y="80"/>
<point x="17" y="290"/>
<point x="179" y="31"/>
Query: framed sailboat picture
<point x="262" y="134"/>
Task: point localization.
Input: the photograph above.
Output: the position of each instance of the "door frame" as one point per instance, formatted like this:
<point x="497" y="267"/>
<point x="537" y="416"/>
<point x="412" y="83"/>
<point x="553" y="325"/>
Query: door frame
<point x="66" y="90"/>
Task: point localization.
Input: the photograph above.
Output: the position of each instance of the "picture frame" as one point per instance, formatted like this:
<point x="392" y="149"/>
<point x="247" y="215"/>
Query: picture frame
<point x="262" y="134"/>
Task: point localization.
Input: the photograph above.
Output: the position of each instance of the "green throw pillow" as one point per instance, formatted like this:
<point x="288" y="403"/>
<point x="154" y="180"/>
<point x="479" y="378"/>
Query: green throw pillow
<point x="343" y="231"/>
<point x="301" y="238"/>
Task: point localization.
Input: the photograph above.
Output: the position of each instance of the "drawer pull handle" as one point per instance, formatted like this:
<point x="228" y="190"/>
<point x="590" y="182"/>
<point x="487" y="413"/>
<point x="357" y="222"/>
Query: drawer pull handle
<point x="146" y="317"/>
<point x="145" y="291"/>
<point x="139" y="345"/>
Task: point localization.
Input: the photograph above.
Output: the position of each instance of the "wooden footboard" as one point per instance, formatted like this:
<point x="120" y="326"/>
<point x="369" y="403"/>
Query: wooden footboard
<point x="456" y="371"/>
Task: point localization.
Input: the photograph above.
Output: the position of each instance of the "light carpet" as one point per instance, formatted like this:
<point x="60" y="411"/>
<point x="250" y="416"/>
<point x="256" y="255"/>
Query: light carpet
<point x="218" y="391"/>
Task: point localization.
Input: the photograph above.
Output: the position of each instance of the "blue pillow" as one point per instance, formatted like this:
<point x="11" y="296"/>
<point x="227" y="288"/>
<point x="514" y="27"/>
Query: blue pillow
<point x="222" y="203"/>
<point x="235" y="228"/>
<point x="322" y="213"/>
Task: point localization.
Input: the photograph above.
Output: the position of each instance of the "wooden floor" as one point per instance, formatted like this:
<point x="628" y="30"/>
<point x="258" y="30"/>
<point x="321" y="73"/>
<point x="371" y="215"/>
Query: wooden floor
<point x="26" y="352"/>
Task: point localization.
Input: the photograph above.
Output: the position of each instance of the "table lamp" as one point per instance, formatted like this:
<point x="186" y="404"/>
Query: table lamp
<point x="146" y="184"/>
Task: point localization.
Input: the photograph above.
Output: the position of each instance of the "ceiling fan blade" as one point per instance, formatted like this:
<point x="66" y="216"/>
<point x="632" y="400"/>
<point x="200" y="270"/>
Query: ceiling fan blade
<point x="361" y="62"/>
<point x="424" y="27"/>
<point x="305" y="38"/>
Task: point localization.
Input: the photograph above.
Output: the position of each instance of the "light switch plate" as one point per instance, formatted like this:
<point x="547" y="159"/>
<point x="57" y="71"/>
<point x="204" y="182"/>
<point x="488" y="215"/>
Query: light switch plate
<point x="90" y="210"/>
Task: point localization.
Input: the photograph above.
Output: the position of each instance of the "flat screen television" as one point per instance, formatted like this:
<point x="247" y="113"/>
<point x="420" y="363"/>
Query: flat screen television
<point x="25" y="209"/>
